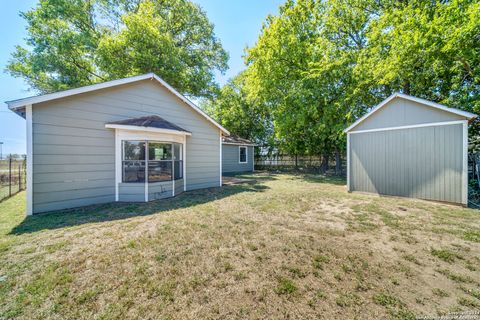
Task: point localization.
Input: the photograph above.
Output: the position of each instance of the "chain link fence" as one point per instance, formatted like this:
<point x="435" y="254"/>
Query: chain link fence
<point x="12" y="176"/>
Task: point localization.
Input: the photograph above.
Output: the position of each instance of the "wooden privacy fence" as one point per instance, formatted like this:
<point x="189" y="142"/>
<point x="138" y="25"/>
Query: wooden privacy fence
<point x="288" y="162"/>
<point x="12" y="177"/>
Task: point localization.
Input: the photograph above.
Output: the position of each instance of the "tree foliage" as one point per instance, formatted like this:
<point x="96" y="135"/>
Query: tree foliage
<point x="238" y="112"/>
<point x="320" y="64"/>
<point x="303" y="66"/>
<point x="72" y="43"/>
<point x="430" y="49"/>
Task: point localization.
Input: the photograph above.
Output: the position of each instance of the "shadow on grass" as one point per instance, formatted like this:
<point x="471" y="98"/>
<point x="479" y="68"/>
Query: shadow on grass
<point x="336" y="180"/>
<point x="266" y="175"/>
<point x="118" y="211"/>
<point x="254" y="176"/>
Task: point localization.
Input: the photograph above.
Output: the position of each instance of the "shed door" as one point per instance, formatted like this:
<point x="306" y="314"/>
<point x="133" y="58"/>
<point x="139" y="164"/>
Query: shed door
<point x="423" y="163"/>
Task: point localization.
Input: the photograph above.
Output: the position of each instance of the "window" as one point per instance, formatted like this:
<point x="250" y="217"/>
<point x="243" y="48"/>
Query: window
<point x="242" y="155"/>
<point x="178" y="161"/>
<point x="159" y="161"/>
<point x="164" y="161"/>
<point x="133" y="164"/>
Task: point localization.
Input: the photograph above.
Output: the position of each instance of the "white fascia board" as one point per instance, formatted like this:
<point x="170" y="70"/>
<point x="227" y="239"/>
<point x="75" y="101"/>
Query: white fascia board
<point x="240" y="144"/>
<point x="413" y="126"/>
<point x="20" y="103"/>
<point x="190" y="103"/>
<point x="432" y="104"/>
<point x="146" y="129"/>
<point x="14" y="104"/>
<point x="368" y="114"/>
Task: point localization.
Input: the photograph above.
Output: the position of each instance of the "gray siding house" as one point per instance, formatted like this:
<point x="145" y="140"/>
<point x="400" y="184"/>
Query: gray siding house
<point x="237" y="155"/>
<point x="410" y="147"/>
<point x="133" y="139"/>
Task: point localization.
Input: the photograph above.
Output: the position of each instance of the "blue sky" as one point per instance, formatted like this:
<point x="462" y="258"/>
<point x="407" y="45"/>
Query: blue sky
<point x="237" y="24"/>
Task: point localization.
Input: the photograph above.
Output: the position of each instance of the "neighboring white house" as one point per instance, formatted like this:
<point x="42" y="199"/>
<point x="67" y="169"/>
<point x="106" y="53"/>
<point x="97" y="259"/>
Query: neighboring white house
<point x="410" y="147"/>
<point x="133" y="139"/>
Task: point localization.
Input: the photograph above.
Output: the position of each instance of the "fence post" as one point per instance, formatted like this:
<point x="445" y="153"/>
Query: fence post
<point x="10" y="176"/>
<point x="19" y="178"/>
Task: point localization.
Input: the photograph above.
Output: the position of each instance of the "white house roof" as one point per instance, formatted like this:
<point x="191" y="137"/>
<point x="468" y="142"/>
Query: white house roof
<point x="432" y="104"/>
<point x="21" y="103"/>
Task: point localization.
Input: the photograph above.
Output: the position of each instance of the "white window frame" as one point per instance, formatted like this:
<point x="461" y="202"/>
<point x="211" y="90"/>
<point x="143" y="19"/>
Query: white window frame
<point x="239" y="154"/>
<point x="137" y="135"/>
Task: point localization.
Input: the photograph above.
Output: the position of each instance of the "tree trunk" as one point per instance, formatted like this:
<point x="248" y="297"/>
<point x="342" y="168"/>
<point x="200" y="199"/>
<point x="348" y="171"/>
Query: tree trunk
<point x="406" y="87"/>
<point x="324" y="165"/>
<point x="338" y="163"/>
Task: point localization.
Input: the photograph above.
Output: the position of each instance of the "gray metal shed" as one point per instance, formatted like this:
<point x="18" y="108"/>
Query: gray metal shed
<point x="410" y="147"/>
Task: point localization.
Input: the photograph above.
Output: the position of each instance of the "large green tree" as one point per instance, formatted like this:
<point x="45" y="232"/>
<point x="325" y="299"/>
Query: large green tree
<point x="73" y="43"/>
<point x="430" y="49"/>
<point x="275" y="74"/>
<point x="319" y="65"/>
<point x="235" y="109"/>
<point x="302" y="68"/>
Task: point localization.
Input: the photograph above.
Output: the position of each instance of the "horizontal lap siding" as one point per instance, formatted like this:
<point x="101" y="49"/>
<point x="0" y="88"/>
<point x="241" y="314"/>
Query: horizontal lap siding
<point x="131" y="192"/>
<point x="423" y="162"/>
<point x="178" y="186"/>
<point x="160" y="190"/>
<point x="74" y="154"/>
<point x="203" y="161"/>
<point x="69" y="168"/>
<point x="230" y="157"/>
<point x="78" y="201"/>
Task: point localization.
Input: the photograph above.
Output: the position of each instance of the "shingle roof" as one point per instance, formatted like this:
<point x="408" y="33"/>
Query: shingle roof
<point x="232" y="139"/>
<point x="150" y="121"/>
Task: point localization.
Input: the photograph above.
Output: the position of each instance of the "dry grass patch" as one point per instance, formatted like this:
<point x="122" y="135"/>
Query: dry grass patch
<point x="284" y="247"/>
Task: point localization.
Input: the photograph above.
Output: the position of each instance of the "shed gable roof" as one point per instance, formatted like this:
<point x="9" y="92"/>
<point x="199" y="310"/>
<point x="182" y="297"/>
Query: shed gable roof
<point x="21" y="103"/>
<point x="457" y="112"/>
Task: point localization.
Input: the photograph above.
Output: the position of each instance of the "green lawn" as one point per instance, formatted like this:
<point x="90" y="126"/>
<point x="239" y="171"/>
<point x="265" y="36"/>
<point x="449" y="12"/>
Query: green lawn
<point x="286" y="246"/>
